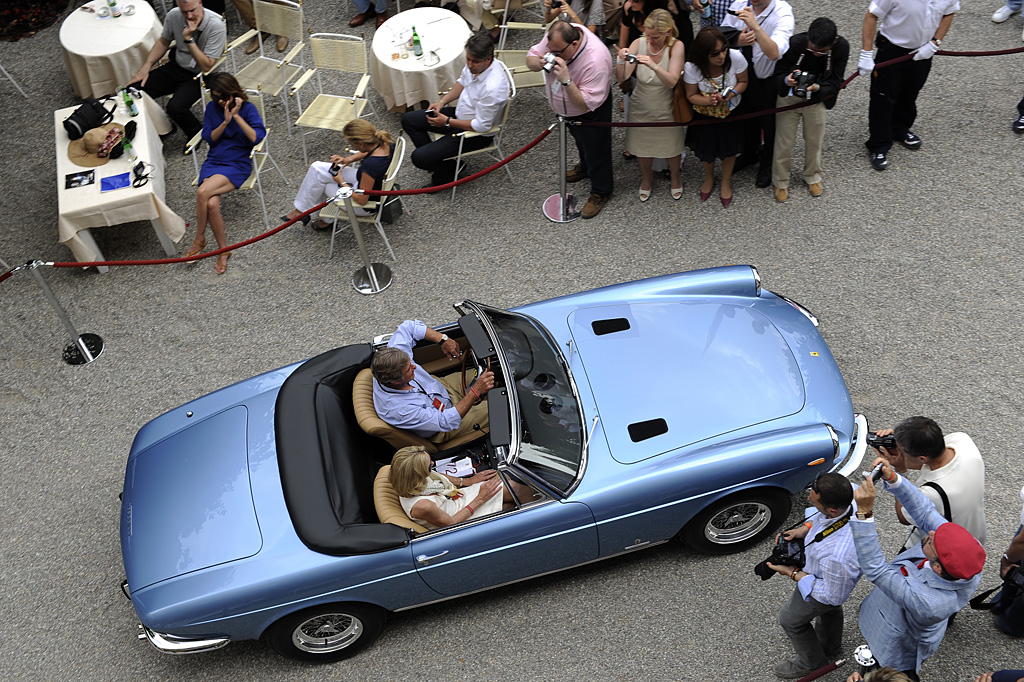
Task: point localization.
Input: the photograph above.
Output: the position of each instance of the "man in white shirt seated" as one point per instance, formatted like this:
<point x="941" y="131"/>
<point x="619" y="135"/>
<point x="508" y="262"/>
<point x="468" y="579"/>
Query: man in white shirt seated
<point x="482" y="91"/>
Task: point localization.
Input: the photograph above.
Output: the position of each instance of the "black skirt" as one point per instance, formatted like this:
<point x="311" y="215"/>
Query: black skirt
<point x="718" y="140"/>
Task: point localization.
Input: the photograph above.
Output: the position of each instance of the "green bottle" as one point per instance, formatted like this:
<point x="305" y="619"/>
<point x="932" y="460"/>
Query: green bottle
<point x="417" y="49"/>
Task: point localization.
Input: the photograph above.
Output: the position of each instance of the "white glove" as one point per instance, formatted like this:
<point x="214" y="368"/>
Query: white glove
<point x="866" y="63"/>
<point x="926" y="51"/>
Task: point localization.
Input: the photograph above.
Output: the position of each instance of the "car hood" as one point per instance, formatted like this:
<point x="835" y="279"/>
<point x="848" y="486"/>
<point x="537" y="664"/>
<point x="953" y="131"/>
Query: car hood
<point x="187" y="502"/>
<point x="667" y="375"/>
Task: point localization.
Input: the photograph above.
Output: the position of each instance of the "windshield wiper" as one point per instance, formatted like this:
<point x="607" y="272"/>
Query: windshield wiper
<point x="590" y="434"/>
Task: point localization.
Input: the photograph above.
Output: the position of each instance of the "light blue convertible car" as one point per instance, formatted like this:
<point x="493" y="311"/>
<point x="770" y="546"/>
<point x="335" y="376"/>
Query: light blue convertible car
<point x="692" y="404"/>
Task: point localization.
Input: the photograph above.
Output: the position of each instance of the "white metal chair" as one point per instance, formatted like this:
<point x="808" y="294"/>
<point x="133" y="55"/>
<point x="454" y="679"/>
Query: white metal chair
<point x="336" y="212"/>
<point x="14" y="82"/>
<point x="523" y="78"/>
<point x="531" y="6"/>
<point x="267" y="74"/>
<point x="493" y="150"/>
<point x="335" y="56"/>
<point x="259" y="156"/>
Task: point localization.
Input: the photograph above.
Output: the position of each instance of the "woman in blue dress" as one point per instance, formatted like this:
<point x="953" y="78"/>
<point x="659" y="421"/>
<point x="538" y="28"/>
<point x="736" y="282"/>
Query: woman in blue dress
<point x="232" y="127"/>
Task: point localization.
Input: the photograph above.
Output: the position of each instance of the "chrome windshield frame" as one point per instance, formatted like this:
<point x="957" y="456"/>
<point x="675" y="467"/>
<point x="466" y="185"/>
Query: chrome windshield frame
<point x="515" y="447"/>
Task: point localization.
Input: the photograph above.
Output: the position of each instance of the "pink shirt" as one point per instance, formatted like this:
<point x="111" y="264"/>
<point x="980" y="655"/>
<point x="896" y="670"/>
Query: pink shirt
<point x="590" y="69"/>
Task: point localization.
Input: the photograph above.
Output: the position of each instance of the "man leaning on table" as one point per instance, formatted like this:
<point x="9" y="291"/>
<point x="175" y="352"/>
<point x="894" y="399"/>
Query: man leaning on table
<point x="200" y="36"/>
<point x="482" y="91"/>
<point x="578" y="86"/>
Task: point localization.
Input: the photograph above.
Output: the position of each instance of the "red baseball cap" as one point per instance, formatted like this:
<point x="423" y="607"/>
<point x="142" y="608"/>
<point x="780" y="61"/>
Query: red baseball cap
<point x="960" y="554"/>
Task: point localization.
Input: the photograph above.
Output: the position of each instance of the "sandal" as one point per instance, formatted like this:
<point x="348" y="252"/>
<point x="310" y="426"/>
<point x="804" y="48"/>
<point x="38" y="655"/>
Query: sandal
<point x="677" y="193"/>
<point x="627" y="156"/>
<point x="320" y="227"/>
<point x="195" y="249"/>
<point x="220" y="268"/>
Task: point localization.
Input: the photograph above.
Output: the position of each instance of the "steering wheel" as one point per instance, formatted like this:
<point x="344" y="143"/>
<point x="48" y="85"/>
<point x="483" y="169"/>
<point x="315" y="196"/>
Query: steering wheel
<point x="466" y="367"/>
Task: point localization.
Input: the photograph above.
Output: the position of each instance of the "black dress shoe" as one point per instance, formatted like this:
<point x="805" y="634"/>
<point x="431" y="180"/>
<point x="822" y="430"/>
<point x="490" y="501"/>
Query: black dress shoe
<point x="879" y="162"/>
<point x="910" y="141"/>
<point x="764" y="177"/>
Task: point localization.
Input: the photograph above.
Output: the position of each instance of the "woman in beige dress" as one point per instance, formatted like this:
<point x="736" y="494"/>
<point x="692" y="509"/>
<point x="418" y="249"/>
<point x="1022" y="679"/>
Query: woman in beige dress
<point x="437" y="500"/>
<point x="657" y="58"/>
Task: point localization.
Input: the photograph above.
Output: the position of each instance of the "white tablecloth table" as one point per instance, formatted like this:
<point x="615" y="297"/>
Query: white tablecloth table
<point x="102" y="53"/>
<point x="406" y="82"/>
<point x="81" y="208"/>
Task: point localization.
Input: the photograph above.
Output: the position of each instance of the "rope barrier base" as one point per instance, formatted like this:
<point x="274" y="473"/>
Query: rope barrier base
<point x="557" y="212"/>
<point x="372" y="280"/>
<point x="74" y="355"/>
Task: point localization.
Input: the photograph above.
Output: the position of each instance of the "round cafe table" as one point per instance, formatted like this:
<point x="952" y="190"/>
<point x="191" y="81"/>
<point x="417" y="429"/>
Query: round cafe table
<point x="102" y="53"/>
<point x="406" y="82"/>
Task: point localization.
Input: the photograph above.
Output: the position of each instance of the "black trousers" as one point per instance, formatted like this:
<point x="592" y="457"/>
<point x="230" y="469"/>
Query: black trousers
<point x="759" y="96"/>
<point x="182" y="86"/>
<point x="594" y="145"/>
<point x="892" y="106"/>
<point x="430" y="155"/>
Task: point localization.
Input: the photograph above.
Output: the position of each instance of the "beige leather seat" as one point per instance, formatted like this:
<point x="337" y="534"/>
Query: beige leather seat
<point x="389" y="508"/>
<point x="366" y="415"/>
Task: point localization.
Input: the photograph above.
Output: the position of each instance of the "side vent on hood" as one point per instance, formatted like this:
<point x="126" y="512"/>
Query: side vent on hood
<point x="616" y="324"/>
<point x="648" y="429"/>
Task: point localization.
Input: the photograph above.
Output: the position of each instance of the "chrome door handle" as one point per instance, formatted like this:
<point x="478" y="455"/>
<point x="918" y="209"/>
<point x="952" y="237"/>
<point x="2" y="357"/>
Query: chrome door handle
<point x="423" y="558"/>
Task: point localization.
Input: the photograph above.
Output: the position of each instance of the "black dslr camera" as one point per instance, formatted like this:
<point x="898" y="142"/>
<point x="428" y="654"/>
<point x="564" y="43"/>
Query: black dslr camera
<point x="785" y="553"/>
<point x="887" y="442"/>
<point x="803" y="79"/>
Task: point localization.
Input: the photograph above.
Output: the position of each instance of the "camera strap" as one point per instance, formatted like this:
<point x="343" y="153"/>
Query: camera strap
<point x="832" y="527"/>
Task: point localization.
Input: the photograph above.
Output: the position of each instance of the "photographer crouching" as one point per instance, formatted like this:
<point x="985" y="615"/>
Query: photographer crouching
<point x="812" y="69"/>
<point x="819" y="556"/>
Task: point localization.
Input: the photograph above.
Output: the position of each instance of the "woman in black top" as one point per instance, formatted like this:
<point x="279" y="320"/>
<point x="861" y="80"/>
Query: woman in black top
<point x="373" y="148"/>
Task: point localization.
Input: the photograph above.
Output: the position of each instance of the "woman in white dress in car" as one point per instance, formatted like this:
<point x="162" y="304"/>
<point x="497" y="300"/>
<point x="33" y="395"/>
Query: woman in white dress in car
<point x="437" y="500"/>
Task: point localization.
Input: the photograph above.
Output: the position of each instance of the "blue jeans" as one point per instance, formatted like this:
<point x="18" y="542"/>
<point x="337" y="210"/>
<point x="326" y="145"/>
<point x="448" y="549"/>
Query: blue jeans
<point x="1015" y="5"/>
<point x="382" y="6"/>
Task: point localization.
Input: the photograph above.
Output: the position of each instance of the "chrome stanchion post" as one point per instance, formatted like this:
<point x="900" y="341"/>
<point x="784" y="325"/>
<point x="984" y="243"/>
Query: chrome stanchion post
<point x="87" y="347"/>
<point x="560" y="208"/>
<point x="372" y="278"/>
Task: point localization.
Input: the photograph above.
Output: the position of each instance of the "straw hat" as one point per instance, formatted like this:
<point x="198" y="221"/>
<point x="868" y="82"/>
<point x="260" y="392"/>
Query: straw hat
<point x="83" y="152"/>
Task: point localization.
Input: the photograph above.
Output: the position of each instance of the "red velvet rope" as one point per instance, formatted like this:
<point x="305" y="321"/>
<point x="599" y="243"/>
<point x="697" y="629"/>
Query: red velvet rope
<point x="6" y="274"/>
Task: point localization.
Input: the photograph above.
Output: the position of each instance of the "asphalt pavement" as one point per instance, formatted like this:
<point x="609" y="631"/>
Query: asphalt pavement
<point x="915" y="274"/>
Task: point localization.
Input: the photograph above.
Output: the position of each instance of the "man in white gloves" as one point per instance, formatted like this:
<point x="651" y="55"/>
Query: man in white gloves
<point x="904" y="27"/>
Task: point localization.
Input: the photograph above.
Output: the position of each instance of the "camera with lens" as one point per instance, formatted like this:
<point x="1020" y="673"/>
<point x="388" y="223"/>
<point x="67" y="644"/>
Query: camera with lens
<point x="556" y="3"/>
<point x="803" y="79"/>
<point x="631" y="58"/>
<point x="547" y="61"/>
<point x="785" y="553"/>
<point x="887" y="442"/>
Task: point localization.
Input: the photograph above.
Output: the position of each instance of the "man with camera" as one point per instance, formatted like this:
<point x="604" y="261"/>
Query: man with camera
<point x="824" y="578"/>
<point x="811" y="70"/>
<point x="199" y="36"/>
<point x="904" y="618"/>
<point x="765" y="29"/>
<point x="577" y="79"/>
<point x="952" y="472"/>
<point x="904" y="27"/>
<point x="482" y="91"/>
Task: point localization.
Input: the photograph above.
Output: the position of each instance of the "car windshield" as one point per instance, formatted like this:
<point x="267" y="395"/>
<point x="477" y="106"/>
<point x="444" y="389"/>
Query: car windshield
<point x="550" y="436"/>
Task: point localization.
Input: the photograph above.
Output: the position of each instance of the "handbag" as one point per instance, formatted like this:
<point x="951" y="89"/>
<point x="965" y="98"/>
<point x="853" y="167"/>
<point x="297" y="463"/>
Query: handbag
<point x="90" y="115"/>
<point x="682" y="110"/>
<point x="720" y="110"/>
<point x="391" y="210"/>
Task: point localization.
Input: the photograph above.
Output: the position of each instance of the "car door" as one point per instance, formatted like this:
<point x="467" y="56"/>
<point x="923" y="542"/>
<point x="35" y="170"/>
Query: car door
<point x="507" y="547"/>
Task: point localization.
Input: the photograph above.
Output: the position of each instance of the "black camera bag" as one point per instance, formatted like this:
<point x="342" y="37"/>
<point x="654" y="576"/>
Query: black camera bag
<point x="90" y="115"/>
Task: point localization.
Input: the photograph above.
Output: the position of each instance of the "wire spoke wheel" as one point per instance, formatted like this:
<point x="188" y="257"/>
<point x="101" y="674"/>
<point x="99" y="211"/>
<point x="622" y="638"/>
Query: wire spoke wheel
<point x="328" y="632"/>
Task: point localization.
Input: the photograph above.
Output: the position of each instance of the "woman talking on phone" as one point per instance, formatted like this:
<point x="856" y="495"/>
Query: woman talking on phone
<point x="232" y="127"/>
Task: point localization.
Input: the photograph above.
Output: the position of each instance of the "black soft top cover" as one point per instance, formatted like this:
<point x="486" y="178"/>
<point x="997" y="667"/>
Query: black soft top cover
<point x="325" y="458"/>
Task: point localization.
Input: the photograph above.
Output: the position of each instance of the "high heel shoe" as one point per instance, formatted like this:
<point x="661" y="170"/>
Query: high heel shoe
<point x="304" y="219"/>
<point x="221" y="268"/>
<point x="645" y="194"/>
<point x="704" y="195"/>
<point x="677" y="193"/>
<point x="725" y="202"/>
<point x="195" y="249"/>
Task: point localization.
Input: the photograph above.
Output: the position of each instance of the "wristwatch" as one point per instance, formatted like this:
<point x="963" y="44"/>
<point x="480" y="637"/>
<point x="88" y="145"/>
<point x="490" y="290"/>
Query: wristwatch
<point x="444" y="337"/>
<point x="864" y="516"/>
<point x="567" y="83"/>
<point x="189" y="40"/>
<point x="937" y="42"/>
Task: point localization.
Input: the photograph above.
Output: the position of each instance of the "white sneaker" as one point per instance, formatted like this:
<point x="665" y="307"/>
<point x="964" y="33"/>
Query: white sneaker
<point x="1002" y="14"/>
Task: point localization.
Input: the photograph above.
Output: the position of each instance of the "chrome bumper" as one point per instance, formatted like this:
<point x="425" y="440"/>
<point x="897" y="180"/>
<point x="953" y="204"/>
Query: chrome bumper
<point x="169" y="644"/>
<point x="856" y="454"/>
